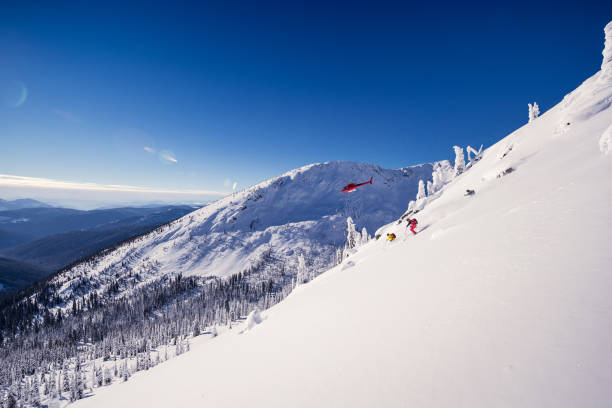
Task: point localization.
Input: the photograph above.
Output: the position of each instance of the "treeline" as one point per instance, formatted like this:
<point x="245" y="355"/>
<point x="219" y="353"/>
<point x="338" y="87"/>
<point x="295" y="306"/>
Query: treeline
<point x="55" y="351"/>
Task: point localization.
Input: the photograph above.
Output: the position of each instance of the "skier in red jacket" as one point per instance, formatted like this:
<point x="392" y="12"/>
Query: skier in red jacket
<point x="412" y="223"/>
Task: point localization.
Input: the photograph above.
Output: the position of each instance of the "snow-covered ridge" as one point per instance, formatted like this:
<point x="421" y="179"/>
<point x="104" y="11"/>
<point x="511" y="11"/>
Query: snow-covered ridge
<point x="300" y="212"/>
<point x="501" y="300"/>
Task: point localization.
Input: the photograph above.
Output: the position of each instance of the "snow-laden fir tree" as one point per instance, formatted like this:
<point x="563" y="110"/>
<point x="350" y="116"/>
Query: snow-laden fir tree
<point x="339" y="256"/>
<point x="107" y="376"/>
<point x="301" y="270"/>
<point x="437" y="182"/>
<point x="97" y="371"/>
<point x="430" y="188"/>
<point x="35" y="391"/>
<point x="125" y="371"/>
<point x="534" y="111"/>
<point x="459" y="161"/>
<point x="421" y="192"/>
<point x="352" y="236"/>
<point x="365" y="238"/>
<point x="411" y="206"/>
<point x="11" y="398"/>
<point x="66" y="382"/>
<point x="52" y="384"/>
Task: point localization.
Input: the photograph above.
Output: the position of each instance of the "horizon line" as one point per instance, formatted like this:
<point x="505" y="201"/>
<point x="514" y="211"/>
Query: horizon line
<point x="8" y="180"/>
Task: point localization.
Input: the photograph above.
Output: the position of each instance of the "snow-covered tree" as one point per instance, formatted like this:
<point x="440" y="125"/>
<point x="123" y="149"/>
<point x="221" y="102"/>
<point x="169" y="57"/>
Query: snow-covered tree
<point x="196" y="329"/>
<point x="459" y="161"/>
<point x="365" y="238"/>
<point x="107" y="376"/>
<point x="52" y="384"/>
<point x="74" y="386"/>
<point x="437" y="181"/>
<point x="35" y="391"/>
<point x="11" y="398"/>
<point x="534" y="111"/>
<point x="98" y="373"/>
<point x="352" y="236"/>
<point x="411" y="206"/>
<point x="301" y="270"/>
<point x="66" y="383"/>
<point x="421" y="193"/>
<point x="126" y="371"/>
<point x="430" y="188"/>
<point x="477" y="154"/>
<point x="339" y="256"/>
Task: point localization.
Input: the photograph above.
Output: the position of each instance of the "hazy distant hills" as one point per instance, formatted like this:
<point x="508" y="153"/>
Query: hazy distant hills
<point x="21" y="203"/>
<point x="39" y="240"/>
<point x="37" y="223"/>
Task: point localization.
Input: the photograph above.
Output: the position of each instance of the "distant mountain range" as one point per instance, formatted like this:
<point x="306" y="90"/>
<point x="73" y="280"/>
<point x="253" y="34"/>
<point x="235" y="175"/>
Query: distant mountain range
<point x="21" y="203"/>
<point x="38" y="240"/>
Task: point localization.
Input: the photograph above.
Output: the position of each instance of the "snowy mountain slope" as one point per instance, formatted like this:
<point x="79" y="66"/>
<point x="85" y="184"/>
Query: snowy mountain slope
<point x="501" y="300"/>
<point x="300" y="212"/>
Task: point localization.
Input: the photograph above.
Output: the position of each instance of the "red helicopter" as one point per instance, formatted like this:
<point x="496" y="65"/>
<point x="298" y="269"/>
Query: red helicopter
<point x="349" y="188"/>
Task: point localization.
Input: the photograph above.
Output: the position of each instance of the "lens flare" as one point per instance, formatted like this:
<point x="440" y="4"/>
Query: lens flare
<point x="13" y="94"/>
<point x="167" y="157"/>
<point x="234" y="185"/>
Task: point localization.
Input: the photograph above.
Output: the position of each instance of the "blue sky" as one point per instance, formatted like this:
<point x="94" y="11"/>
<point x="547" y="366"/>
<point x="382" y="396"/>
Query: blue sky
<point x="241" y="92"/>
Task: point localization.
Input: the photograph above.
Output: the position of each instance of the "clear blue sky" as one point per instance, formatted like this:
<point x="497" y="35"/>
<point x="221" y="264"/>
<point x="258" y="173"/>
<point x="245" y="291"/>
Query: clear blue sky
<point x="245" y="91"/>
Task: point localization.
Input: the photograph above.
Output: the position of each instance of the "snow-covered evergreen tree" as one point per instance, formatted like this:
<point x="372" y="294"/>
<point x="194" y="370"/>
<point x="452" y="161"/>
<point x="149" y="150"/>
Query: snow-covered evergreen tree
<point x="339" y="256"/>
<point x="421" y="192"/>
<point x="125" y="371"/>
<point x="107" y="376"/>
<point x="301" y="270"/>
<point x="66" y="383"/>
<point x="411" y="206"/>
<point x="74" y="386"/>
<point x="99" y="376"/>
<point x="534" y="111"/>
<point x="430" y="188"/>
<point x="352" y="236"/>
<point x="437" y="182"/>
<point x="365" y="238"/>
<point x="459" y="161"/>
<point x="35" y="391"/>
<point x="52" y="384"/>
